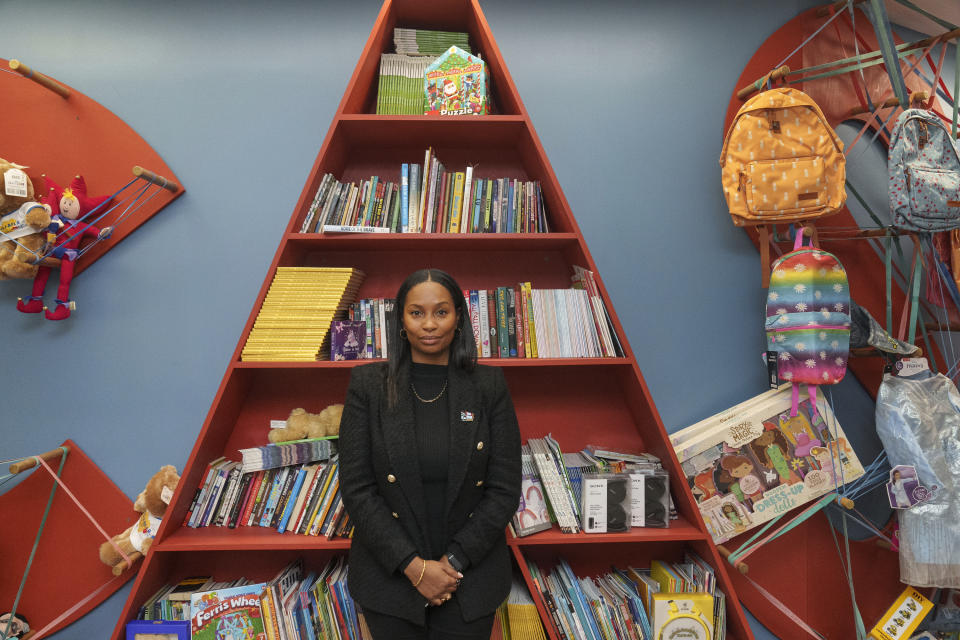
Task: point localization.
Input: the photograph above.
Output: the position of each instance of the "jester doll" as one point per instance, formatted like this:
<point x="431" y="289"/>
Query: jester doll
<point x="69" y="228"/>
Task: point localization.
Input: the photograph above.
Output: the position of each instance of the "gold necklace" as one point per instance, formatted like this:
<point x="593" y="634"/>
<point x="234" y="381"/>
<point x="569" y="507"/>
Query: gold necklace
<point x="433" y="399"/>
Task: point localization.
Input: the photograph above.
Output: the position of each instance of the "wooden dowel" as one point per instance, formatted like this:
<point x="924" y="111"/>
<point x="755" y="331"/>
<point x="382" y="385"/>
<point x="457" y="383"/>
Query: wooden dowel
<point x="916" y="96"/>
<point x="890" y="102"/>
<point x="30" y="463"/>
<point x="776" y="74"/>
<point x="951" y="327"/>
<point x="742" y="567"/>
<point x="830" y="234"/>
<point x="153" y="178"/>
<point x="39" y="78"/>
<point x="846" y="503"/>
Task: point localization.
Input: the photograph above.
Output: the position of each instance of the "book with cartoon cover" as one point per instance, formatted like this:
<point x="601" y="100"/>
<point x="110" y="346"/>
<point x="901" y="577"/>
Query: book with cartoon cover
<point x="751" y="463"/>
<point x="456" y="84"/>
<point x="227" y="614"/>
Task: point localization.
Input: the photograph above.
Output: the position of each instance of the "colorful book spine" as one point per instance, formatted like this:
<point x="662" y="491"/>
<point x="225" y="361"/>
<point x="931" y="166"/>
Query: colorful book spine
<point x="291" y="500"/>
<point x="503" y="337"/>
<point x="484" y="323"/>
<point x="404" y="196"/>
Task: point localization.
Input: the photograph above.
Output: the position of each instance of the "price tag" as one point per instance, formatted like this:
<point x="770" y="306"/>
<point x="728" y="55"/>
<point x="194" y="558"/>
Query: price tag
<point x="15" y="181"/>
<point x="910" y="366"/>
<point x="278" y="424"/>
<point x="166" y="494"/>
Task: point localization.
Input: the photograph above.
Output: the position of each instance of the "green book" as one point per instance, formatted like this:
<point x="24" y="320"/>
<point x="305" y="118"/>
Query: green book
<point x="503" y="338"/>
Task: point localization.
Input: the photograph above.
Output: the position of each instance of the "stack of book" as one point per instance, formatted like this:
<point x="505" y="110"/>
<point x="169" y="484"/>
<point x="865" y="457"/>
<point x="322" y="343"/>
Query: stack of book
<point x="424" y="42"/>
<point x="517" y="618"/>
<point x="629" y="603"/>
<point x="400" y="88"/>
<point x="428" y="199"/>
<point x="294" y="321"/>
<point x="523" y="322"/>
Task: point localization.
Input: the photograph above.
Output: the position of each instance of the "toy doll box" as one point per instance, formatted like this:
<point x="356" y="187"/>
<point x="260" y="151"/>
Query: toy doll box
<point x="753" y="462"/>
<point x="456" y="84"/>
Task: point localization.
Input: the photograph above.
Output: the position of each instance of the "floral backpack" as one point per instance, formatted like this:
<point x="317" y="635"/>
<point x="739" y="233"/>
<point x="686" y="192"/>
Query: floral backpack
<point x="808" y="320"/>
<point x="924" y="168"/>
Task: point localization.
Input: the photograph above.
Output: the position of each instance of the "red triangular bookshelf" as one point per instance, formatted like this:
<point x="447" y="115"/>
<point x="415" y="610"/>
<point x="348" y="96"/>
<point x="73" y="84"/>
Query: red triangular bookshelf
<point x="558" y="396"/>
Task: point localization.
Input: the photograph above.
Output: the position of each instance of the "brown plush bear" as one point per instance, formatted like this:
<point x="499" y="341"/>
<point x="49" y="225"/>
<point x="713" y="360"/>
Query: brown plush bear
<point x="152" y="503"/>
<point x="302" y="424"/>
<point x="15" y="260"/>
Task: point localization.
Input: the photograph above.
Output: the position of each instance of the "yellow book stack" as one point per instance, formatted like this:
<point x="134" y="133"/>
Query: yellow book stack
<point x="518" y="616"/>
<point x="294" y="322"/>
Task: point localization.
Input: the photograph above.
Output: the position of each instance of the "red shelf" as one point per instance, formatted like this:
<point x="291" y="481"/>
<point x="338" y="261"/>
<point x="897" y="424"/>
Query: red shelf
<point x="430" y="241"/>
<point x="496" y="362"/>
<point x="679" y="529"/>
<point x="578" y="400"/>
<point x="245" y="538"/>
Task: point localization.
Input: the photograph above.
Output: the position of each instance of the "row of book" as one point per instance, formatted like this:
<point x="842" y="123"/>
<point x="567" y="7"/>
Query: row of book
<point x="634" y="603"/>
<point x="291" y="606"/>
<point x="302" y="497"/>
<point x="523" y="322"/>
<point x="507" y="322"/>
<point x="294" y="606"/>
<point x="552" y="487"/>
<point x="375" y="320"/>
<point x="435" y="201"/>
<point x="293" y="323"/>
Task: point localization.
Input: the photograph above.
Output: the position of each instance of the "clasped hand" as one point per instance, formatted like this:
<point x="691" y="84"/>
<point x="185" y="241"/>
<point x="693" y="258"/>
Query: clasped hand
<point x="439" y="579"/>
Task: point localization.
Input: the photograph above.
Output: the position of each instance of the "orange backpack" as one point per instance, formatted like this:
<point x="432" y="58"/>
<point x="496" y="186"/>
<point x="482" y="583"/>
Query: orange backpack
<point x="781" y="161"/>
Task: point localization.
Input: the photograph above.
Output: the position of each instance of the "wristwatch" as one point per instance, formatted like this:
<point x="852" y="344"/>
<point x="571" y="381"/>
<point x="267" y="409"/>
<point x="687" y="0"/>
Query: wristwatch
<point x="454" y="562"/>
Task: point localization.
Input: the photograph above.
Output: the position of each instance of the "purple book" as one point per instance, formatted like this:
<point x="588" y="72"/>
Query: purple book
<point x="347" y="339"/>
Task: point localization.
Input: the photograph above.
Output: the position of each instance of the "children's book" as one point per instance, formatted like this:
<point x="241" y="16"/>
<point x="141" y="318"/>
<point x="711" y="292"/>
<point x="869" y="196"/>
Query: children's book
<point x="347" y="339"/>
<point x="455" y="84"/>
<point x="227" y="614"/>
<point x="751" y="463"/>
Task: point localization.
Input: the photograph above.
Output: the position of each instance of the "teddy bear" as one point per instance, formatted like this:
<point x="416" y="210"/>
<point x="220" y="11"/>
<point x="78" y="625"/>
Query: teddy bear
<point x="152" y="503"/>
<point x="23" y="219"/>
<point x="302" y="424"/>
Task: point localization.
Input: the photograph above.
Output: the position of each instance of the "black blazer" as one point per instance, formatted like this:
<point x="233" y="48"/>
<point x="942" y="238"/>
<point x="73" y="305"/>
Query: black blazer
<point x="382" y="491"/>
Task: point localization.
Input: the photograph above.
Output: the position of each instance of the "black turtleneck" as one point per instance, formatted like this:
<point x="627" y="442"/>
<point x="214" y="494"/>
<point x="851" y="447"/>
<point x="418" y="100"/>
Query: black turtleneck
<point x="433" y="445"/>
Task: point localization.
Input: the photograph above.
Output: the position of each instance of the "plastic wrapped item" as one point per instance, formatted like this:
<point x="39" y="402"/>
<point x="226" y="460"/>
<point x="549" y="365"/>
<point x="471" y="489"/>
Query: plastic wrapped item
<point x="918" y="421"/>
<point x="606" y="502"/>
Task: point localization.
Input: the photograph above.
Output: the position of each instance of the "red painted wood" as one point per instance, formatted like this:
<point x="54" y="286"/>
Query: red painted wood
<point x="802" y="568"/>
<point x="65" y="137"/>
<point x="580" y="402"/>
<point x="67" y="565"/>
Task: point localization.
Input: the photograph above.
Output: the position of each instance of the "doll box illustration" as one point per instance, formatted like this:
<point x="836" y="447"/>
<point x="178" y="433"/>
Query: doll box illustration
<point x="754" y="461"/>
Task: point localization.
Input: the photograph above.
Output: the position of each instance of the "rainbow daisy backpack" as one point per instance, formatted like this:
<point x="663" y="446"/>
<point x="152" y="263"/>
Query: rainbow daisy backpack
<point x="808" y="319"/>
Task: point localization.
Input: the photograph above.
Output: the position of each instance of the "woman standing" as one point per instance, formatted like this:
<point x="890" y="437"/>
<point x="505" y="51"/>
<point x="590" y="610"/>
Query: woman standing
<point x="429" y="473"/>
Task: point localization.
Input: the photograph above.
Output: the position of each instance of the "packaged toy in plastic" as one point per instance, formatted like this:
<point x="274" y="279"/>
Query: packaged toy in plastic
<point x="918" y="421"/>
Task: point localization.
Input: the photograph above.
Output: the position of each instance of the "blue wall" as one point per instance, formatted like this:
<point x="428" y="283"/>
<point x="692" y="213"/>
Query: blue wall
<point x="628" y="99"/>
